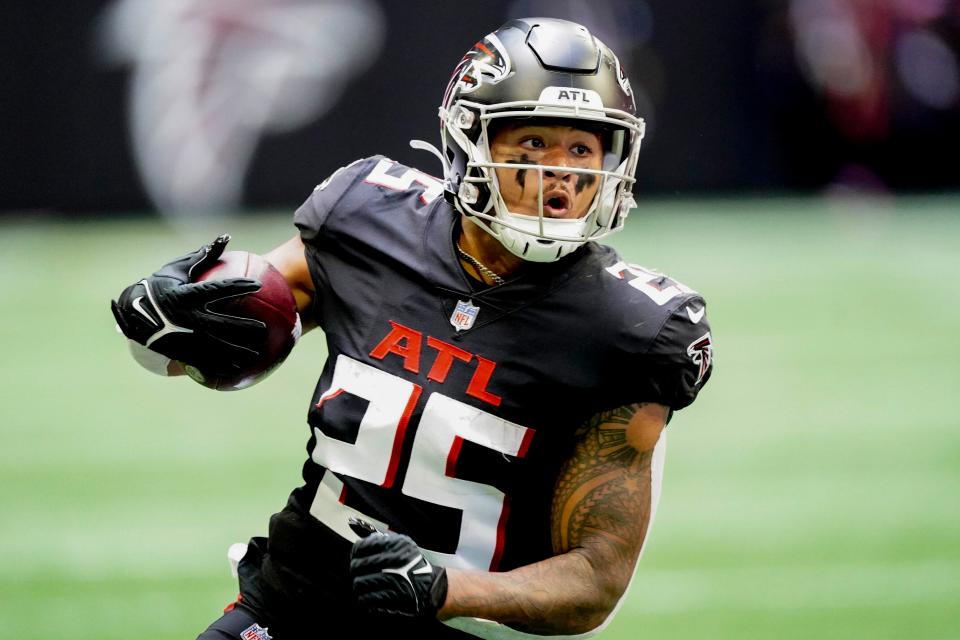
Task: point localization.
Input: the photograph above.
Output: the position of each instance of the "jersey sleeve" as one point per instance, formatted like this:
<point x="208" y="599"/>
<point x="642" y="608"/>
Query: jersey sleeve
<point x="679" y="360"/>
<point x="312" y="215"/>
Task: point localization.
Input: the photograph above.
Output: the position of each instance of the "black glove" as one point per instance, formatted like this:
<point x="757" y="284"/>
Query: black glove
<point x="170" y="314"/>
<point x="391" y="576"/>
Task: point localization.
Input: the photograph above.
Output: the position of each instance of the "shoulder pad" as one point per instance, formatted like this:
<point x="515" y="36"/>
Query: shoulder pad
<point x="666" y="336"/>
<point x="313" y="213"/>
<point x="369" y="184"/>
<point x="659" y="288"/>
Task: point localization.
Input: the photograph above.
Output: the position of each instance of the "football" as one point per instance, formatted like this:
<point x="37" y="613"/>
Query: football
<point x="273" y="304"/>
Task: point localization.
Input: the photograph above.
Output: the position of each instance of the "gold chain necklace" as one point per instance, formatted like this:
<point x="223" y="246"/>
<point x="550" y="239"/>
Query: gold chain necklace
<point x="479" y="266"/>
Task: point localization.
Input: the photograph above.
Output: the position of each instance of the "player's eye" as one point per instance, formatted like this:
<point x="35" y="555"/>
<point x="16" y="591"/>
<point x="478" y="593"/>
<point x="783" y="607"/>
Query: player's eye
<point x="581" y="150"/>
<point x="533" y="142"/>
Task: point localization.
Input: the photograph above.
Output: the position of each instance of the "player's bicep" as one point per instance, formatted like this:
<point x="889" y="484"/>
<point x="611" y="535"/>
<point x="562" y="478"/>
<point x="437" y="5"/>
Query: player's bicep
<point x="604" y="497"/>
<point x="291" y="261"/>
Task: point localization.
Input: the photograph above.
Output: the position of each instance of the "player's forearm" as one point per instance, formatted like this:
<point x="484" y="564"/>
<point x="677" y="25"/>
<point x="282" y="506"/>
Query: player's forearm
<point x="559" y="595"/>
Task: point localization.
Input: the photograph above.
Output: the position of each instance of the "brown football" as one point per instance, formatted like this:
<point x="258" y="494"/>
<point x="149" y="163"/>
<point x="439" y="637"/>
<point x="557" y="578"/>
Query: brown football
<point x="273" y="304"/>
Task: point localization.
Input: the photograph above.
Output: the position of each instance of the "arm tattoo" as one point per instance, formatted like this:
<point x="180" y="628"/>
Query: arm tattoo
<point x="599" y="517"/>
<point x="602" y="500"/>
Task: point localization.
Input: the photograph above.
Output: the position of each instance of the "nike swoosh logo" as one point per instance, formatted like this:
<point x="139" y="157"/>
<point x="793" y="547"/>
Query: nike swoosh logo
<point x="139" y="308"/>
<point x="408" y="568"/>
<point x="405" y="571"/>
<point x="695" y="316"/>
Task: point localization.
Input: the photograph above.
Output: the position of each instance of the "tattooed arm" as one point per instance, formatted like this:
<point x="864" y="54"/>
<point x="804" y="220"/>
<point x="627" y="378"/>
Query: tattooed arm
<point x="600" y="514"/>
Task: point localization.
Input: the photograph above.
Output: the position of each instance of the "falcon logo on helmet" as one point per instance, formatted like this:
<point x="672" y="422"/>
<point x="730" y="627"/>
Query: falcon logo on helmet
<point x="622" y="77"/>
<point x="487" y="61"/>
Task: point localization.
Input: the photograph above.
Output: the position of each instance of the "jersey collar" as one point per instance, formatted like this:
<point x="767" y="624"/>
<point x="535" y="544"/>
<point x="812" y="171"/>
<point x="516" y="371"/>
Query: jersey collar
<point x="534" y="282"/>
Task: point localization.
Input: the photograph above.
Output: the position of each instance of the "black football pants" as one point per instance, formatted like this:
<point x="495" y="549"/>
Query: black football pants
<point x="241" y="622"/>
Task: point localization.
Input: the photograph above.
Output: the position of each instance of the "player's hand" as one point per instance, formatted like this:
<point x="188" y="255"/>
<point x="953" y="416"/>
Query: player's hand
<point x="170" y="313"/>
<point x="391" y="576"/>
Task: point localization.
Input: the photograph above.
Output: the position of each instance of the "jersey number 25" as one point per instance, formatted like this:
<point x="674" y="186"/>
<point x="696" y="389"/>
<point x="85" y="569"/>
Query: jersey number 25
<point x="444" y="424"/>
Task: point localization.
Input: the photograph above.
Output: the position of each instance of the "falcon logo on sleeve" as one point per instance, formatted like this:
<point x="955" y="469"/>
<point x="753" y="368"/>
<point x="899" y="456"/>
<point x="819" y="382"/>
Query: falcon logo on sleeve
<point x="701" y="352"/>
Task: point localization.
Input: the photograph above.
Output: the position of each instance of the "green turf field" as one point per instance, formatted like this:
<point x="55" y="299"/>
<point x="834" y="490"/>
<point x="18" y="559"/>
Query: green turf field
<point x="812" y="492"/>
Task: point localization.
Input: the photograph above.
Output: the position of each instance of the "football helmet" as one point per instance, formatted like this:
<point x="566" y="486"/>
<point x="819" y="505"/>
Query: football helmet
<point x="539" y="68"/>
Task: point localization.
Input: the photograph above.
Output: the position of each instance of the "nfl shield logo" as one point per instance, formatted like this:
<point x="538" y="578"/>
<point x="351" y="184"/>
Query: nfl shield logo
<point x="464" y="315"/>
<point x="255" y="632"/>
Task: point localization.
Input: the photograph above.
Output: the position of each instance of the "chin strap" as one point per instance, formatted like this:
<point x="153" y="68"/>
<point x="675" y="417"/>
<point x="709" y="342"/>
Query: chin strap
<point x="421" y="145"/>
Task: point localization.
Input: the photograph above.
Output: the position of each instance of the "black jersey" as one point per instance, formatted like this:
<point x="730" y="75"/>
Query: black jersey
<point x="445" y="408"/>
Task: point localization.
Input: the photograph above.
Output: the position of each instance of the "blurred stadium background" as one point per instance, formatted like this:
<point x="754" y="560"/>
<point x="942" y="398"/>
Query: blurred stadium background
<point x="801" y="171"/>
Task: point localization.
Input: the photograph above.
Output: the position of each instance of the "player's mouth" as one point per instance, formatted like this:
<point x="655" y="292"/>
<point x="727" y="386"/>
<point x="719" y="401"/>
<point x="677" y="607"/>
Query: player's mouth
<point x="556" y="204"/>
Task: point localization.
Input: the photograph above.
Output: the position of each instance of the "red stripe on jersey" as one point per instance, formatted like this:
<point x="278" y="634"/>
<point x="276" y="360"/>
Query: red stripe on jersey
<point x="329" y="397"/>
<point x="230" y="607"/>
<point x="398" y="438"/>
<point x="501" y="534"/>
<point x="452" y="457"/>
<point x="525" y="444"/>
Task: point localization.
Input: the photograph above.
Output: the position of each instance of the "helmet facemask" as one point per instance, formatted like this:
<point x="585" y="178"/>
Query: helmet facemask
<point x="539" y="237"/>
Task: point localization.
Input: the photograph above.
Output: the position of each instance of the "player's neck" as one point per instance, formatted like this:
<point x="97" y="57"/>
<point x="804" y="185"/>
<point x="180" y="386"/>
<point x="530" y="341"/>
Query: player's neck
<point x="487" y="251"/>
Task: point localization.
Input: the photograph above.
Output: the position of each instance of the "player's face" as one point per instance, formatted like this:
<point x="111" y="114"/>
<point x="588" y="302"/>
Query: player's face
<point x="566" y="194"/>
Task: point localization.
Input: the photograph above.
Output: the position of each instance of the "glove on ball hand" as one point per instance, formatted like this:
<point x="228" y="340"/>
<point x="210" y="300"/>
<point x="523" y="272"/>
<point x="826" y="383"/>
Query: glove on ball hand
<point x="171" y="314"/>
<point x="391" y="576"/>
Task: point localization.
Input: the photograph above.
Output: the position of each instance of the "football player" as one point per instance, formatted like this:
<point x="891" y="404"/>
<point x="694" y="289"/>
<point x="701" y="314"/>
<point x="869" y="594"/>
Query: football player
<point x="487" y="434"/>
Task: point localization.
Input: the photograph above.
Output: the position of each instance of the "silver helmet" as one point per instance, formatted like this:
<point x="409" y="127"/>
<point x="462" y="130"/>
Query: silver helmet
<point x="539" y="68"/>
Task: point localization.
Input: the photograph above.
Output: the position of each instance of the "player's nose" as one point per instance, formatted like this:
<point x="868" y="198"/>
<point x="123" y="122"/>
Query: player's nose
<point x="557" y="159"/>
